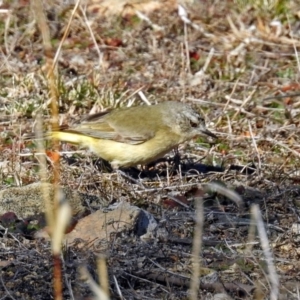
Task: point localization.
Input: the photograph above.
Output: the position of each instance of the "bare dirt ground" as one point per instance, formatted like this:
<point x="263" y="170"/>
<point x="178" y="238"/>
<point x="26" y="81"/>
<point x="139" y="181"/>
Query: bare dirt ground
<point x="239" y="61"/>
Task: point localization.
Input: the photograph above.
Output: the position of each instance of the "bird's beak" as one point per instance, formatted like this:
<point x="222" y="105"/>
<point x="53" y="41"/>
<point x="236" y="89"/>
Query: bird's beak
<point x="207" y="132"/>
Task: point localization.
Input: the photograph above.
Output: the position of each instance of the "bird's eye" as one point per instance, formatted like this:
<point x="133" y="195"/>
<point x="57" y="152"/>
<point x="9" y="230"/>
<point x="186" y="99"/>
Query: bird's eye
<point x="193" y="124"/>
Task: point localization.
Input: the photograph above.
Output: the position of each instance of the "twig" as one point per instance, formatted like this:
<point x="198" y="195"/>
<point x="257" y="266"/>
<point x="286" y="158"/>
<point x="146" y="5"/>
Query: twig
<point x="267" y="252"/>
<point x="197" y="245"/>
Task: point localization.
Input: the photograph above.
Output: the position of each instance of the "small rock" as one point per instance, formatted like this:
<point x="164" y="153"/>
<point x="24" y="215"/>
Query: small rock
<point x="100" y="225"/>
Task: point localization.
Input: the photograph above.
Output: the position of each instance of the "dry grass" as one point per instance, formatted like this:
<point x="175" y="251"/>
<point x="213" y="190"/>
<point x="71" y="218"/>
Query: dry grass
<point x="239" y="60"/>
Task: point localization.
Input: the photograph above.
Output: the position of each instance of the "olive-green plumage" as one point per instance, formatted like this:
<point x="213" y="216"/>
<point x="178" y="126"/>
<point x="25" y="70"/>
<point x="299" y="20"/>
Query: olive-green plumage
<point x="136" y="135"/>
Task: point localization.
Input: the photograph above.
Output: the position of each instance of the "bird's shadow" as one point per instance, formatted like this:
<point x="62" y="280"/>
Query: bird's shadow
<point x="184" y="168"/>
<point x="169" y="166"/>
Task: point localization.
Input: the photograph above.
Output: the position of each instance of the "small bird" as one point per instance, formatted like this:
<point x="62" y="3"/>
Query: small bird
<point x="136" y="135"/>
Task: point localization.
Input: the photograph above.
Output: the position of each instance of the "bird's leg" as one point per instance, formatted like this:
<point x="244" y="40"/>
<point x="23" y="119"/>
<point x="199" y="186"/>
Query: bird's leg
<point x="127" y="176"/>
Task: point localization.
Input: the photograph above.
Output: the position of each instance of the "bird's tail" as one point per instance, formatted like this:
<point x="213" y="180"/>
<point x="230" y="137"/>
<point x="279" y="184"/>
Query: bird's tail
<point x="70" y="137"/>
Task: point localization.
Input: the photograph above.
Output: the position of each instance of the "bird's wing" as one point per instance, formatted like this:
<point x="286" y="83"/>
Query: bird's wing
<point x="98" y="126"/>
